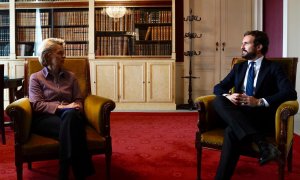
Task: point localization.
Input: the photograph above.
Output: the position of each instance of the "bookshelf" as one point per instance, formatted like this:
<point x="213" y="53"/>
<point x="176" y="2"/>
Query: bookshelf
<point x="141" y="31"/>
<point x="132" y="58"/>
<point x="34" y="25"/>
<point x="4" y="32"/>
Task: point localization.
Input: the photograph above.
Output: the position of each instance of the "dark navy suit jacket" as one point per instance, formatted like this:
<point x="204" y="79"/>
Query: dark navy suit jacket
<point x="272" y="83"/>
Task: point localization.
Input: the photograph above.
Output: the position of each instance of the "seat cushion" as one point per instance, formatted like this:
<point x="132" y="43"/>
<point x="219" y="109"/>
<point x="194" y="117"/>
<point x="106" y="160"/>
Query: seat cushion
<point x="95" y="141"/>
<point x="40" y="145"/>
<point x="214" y="139"/>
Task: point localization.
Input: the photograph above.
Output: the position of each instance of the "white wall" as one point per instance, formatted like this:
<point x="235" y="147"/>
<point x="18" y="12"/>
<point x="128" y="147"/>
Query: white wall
<point x="291" y="33"/>
<point x="291" y="42"/>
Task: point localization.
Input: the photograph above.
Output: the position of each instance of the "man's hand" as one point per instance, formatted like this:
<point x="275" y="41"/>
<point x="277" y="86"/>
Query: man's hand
<point x="243" y="99"/>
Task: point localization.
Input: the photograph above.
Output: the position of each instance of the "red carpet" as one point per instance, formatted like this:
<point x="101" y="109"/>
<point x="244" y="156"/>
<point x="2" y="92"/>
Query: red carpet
<point x="151" y="146"/>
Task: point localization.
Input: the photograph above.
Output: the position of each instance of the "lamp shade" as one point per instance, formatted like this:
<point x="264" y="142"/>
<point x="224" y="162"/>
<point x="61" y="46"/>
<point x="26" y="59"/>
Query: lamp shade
<point x="115" y="11"/>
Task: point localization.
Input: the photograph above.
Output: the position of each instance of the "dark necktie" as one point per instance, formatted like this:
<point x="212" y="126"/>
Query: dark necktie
<point x="250" y="80"/>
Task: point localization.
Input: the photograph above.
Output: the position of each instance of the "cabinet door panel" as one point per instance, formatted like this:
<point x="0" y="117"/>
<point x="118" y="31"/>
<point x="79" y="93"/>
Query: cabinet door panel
<point x="209" y="45"/>
<point x="160" y="82"/>
<point x="132" y="82"/>
<point x="107" y="80"/>
<point x="222" y="25"/>
<point x="236" y="19"/>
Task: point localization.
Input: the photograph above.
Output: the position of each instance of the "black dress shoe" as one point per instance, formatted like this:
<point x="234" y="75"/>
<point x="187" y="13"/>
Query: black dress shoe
<point x="269" y="153"/>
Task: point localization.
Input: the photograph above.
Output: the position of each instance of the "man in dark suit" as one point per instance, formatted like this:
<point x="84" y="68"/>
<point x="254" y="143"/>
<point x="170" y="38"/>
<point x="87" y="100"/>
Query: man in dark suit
<point x="260" y="87"/>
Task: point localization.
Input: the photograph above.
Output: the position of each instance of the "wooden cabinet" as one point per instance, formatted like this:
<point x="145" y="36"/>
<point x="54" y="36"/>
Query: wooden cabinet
<point x="222" y="25"/>
<point x="135" y="85"/>
<point x="105" y="79"/>
<point x="132" y="81"/>
<point x="160" y="82"/>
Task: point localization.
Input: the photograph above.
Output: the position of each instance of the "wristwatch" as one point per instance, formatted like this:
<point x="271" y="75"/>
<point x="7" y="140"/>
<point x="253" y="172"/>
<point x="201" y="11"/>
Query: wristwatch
<point x="261" y="102"/>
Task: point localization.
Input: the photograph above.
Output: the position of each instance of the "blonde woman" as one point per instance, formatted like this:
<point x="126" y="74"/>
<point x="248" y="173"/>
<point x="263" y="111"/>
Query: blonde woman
<point x="56" y="100"/>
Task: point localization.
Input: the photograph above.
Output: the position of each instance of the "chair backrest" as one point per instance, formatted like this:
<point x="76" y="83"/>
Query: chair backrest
<point x="79" y="66"/>
<point x="289" y="65"/>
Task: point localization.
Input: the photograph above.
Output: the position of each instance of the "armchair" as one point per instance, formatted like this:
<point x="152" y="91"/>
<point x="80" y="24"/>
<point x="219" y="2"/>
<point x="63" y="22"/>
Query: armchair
<point x="210" y="133"/>
<point x="30" y="147"/>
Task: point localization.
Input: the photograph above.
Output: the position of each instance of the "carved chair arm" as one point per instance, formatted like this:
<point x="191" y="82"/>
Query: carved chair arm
<point x="284" y="121"/>
<point x="206" y="113"/>
<point x="20" y="113"/>
<point x="97" y="110"/>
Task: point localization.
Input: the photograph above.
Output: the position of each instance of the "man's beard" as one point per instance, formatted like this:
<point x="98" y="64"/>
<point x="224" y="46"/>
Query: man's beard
<point x="249" y="55"/>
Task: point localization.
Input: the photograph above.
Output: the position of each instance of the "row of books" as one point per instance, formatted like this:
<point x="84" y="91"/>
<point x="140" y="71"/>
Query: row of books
<point x="4" y="35"/>
<point x="71" y="18"/>
<point x="159" y="33"/>
<point x="112" y="46"/>
<point x="130" y="19"/>
<point x="76" y="49"/>
<point x="68" y="34"/>
<point x="106" y="23"/>
<point x="153" y="49"/>
<point x="72" y="33"/>
<point x="30" y="18"/>
<point x="28" y="34"/>
<point x="152" y="16"/>
<point x="60" y="18"/>
<point x="123" y="45"/>
<point x="25" y="49"/>
<point x="70" y="49"/>
<point x="4" y="49"/>
<point x="4" y="20"/>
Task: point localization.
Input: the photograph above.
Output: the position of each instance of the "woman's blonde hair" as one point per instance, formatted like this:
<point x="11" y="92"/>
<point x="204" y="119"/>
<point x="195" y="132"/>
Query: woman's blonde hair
<point x="47" y="46"/>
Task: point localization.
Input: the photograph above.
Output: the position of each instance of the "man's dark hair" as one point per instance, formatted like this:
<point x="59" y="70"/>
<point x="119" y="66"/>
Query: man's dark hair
<point x="260" y="38"/>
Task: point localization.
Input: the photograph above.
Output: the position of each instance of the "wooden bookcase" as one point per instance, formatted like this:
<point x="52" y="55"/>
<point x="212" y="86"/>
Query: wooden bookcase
<point x="144" y="30"/>
<point x="4" y="33"/>
<point x="34" y="25"/>
<point x="141" y="31"/>
<point x="132" y="58"/>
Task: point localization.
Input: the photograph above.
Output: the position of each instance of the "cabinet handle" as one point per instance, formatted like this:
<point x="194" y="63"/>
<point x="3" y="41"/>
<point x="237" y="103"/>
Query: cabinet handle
<point x="217" y="46"/>
<point x="223" y="46"/>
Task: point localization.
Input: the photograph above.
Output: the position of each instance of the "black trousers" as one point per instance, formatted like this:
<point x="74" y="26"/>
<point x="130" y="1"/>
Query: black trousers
<point x="242" y="123"/>
<point x="68" y="128"/>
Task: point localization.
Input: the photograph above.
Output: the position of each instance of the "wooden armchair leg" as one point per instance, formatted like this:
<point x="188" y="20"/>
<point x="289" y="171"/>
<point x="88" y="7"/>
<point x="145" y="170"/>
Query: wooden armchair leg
<point x="199" y="155"/>
<point x="19" y="168"/>
<point x="281" y="166"/>
<point x="29" y="165"/>
<point x="108" y="165"/>
<point x="290" y="160"/>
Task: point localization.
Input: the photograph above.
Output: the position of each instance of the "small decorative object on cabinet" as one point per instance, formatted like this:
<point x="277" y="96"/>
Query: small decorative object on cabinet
<point x="191" y="52"/>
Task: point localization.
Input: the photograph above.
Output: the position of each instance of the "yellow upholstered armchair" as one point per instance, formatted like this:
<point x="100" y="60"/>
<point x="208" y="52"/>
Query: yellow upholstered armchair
<point x="210" y="133"/>
<point x="30" y="147"/>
